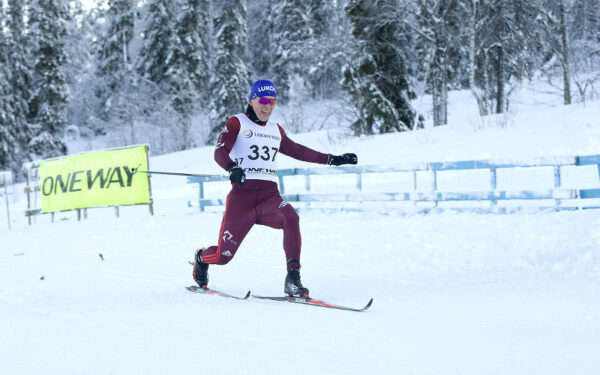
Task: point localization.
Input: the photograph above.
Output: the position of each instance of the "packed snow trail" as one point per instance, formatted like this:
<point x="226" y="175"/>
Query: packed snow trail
<point x="456" y="294"/>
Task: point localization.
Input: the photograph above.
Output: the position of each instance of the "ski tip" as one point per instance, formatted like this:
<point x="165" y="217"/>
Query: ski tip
<point x="247" y="295"/>
<point x="368" y="304"/>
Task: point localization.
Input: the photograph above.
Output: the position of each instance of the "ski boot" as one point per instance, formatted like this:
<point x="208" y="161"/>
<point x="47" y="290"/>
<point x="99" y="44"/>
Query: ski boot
<point x="293" y="286"/>
<point x="200" y="269"/>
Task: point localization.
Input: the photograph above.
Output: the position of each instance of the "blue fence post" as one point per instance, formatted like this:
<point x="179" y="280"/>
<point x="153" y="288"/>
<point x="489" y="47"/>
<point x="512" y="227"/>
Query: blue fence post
<point x="415" y="185"/>
<point x="307" y="185"/>
<point x="434" y="187"/>
<point x="557" y="183"/>
<point x="201" y="195"/>
<point x="281" y="186"/>
<point x="493" y="186"/>
<point x="414" y="179"/>
<point x="359" y="181"/>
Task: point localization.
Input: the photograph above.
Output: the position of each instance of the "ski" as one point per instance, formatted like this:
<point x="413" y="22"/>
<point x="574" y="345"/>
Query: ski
<point x="303" y="300"/>
<point x="197" y="289"/>
<point x="315" y="302"/>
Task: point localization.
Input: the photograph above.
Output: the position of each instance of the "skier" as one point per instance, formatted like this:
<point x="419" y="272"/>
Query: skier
<point x="248" y="148"/>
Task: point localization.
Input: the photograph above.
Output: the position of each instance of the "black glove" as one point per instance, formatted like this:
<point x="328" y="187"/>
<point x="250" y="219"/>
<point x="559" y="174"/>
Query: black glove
<point x="342" y="159"/>
<point x="236" y="173"/>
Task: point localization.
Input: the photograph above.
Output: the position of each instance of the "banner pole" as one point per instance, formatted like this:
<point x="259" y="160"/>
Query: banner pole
<point x="151" y="205"/>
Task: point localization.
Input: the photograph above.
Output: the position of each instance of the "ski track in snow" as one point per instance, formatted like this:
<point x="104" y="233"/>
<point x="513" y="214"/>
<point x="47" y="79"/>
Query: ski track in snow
<point x="454" y="293"/>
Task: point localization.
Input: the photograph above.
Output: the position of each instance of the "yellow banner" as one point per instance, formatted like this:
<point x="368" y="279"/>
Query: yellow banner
<point x="95" y="179"/>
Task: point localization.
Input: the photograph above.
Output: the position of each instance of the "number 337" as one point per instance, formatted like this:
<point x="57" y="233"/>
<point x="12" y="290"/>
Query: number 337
<point x="264" y="155"/>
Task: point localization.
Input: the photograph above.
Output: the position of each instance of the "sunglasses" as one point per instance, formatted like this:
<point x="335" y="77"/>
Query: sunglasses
<point x="267" y="101"/>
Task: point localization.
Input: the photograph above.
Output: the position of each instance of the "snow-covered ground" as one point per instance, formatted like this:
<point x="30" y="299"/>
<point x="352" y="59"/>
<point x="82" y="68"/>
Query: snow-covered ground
<point x="454" y="293"/>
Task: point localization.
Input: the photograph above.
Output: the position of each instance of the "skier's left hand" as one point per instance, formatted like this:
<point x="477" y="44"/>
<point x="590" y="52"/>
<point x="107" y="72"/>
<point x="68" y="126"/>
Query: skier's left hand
<point x="342" y="159"/>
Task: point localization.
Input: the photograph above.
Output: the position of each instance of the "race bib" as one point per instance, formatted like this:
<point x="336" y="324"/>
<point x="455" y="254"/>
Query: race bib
<point x="256" y="149"/>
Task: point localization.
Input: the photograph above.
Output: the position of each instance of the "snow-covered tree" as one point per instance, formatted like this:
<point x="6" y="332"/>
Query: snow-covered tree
<point x="584" y="25"/>
<point x="556" y="39"/>
<point x="9" y="146"/>
<point x="261" y="47"/>
<point x="158" y="33"/>
<point x="20" y="71"/>
<point x="326" y="51"/>
<point x="84" y="29"/>
<point x="116" y="77"/>
<point x="441" y="47"/>
<point x="306" y="38"/>
<point x="377" y="76"/>
<point x="48" y="27"/>
<point x="585" y="19"/>
<point x="229" y="84"/>
<point x="187" y="68"/>
<point x="291" y="37"/>
<point x="505" y="49"/>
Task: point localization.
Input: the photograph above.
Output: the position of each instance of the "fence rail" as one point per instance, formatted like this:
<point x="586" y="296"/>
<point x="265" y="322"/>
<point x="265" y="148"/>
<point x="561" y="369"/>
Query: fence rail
<point x="556" y="193"/>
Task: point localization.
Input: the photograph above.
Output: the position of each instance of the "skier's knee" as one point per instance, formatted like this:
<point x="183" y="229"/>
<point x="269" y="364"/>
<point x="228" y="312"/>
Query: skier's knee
<point x="291" y="217"/>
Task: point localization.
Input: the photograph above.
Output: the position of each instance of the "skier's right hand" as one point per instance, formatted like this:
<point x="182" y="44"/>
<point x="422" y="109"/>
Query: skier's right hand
<point x="236" y="174"/>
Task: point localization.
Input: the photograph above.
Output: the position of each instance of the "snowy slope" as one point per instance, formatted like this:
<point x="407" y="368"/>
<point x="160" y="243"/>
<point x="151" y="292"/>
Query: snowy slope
<point x="455" y="293"/>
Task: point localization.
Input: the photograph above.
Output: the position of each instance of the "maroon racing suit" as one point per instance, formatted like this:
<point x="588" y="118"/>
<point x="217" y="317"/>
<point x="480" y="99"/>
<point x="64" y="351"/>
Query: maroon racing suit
<point x="257" y="201"/>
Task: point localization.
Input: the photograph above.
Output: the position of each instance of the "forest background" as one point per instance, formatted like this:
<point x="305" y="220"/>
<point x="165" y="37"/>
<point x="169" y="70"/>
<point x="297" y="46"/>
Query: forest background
<point x="168" y="73"/>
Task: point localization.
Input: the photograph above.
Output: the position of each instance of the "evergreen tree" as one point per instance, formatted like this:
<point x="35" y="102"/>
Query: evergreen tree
<point x="377" y="77"/>
<point x="48" y="20"/>
<point x="116" y="81"/>
<point x="187" y="68"/>
<point x="204" y="44"/>
<point x="440" y="47"/>
<point x="556" y="38"/>
<point x="300" y="44"/>
<point x="585" y="20"/>
<point x="158" y="34"/>
<point x="9" y="146"/>
<point x="325" y="51"/>
<point x="81" y="69"/>
<point x="292" y="34"/>
<point x="229" y="85"/>
<point x="20" y="82"/>
<point x="261" y="50"/>
<point x="506" y="48"/>
<point x="584" y="25"/>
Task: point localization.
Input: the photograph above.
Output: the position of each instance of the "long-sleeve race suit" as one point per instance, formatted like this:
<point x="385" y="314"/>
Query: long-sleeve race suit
<point x="255" y="148"/>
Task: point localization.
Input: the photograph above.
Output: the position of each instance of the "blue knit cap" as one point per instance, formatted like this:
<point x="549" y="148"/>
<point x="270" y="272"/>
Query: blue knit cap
<point x="262" y="87"/>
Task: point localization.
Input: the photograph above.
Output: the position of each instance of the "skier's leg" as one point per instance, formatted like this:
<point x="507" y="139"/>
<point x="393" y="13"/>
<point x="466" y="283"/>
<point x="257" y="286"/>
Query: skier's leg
<point x="235" y="225"/>
<point x="279" y="214"/>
